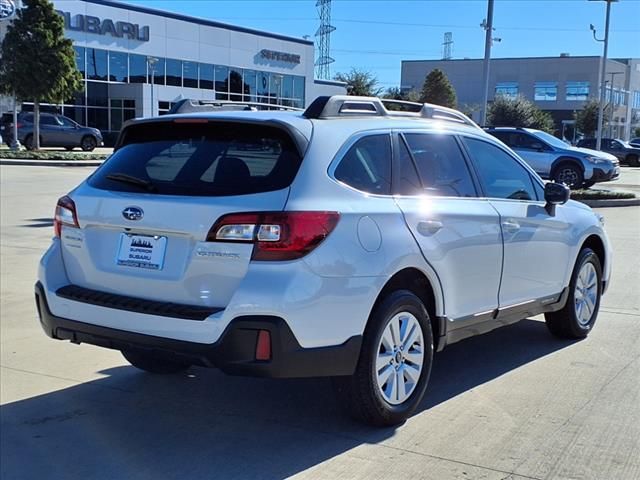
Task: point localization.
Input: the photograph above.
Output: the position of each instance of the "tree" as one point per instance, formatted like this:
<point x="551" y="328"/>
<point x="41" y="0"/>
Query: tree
<point x="518" y="112"/>
<point x="38" y="63"/>
<point x="587" y="118"/>
<point x="360" y="83"/>
<point x="636" y="132"/>
<point x="393" y="93"/>
<point x="437" y="89"/>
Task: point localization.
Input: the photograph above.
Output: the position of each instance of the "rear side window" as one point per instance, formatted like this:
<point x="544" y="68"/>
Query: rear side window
<point x="441" y="165"/>
<point x="501" y="175"/>
<point x="202" y="159"/>
<point x="367" y="165"/>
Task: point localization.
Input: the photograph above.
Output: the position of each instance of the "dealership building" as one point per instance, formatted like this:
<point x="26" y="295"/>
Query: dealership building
<point x="560" y="85"/>
<point x="137" y="61"/>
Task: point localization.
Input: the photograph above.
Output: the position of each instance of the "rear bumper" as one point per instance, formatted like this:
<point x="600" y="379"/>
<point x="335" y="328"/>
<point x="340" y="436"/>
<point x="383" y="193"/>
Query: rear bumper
<point x="233" y="353"/>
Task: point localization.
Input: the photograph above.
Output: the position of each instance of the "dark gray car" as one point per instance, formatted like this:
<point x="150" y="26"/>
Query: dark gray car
<point x="58" y="131"/>
<point x="626" y="152"/>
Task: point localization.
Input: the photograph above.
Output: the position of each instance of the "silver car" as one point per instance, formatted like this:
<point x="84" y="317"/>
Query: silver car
<point x="556" y="160"/>
<point x="58" y="131"/>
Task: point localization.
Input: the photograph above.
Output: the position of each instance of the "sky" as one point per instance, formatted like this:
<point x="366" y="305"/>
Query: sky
<point x="376" y="35"/>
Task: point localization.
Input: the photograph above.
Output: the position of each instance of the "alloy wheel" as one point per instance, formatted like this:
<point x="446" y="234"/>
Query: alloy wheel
<point x="400" y="358"/>
<point x="586" y="294"/>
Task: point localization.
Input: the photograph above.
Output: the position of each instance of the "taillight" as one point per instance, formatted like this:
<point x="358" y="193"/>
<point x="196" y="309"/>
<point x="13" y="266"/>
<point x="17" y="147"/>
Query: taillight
<point x="65" y="215"/>
<point x="276" y="235"/>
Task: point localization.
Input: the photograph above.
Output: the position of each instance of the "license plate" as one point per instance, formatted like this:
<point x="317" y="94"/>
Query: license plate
<point x="142" y="251"/>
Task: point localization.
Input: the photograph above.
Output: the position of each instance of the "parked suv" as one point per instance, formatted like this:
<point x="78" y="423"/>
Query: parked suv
<point x="625" y="152"/>
<point x="361" y="242"/>
<point x="58" y="131"/>
<point x="554" y="159"/>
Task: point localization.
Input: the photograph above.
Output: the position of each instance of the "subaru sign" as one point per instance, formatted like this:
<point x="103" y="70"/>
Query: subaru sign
<point x="105" y="26"/>
<point x="8" y="9"/>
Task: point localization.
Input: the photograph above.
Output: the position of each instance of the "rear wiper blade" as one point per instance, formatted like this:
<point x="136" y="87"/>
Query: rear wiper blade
<point x="131" y="180"/>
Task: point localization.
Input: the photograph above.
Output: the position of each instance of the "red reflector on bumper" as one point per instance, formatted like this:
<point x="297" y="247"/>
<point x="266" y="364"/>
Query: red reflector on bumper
<point x="263" y="346"/>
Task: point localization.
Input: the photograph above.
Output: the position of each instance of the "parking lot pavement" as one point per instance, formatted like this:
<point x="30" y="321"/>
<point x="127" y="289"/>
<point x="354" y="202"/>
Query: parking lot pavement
<point x="515" y="403"/>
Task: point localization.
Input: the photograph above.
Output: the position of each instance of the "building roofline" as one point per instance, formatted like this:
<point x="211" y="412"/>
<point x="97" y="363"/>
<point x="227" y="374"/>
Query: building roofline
<point x="513" y="58"/>
<point x="199" y="21"/>
<point x="334" y="83"/>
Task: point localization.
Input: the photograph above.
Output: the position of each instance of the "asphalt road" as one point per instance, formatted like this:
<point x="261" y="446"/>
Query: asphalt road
<point x="515" y="403"/>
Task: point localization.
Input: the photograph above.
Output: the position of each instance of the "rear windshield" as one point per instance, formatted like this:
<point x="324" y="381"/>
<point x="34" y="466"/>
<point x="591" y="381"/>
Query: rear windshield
<point x="200" y="159"/>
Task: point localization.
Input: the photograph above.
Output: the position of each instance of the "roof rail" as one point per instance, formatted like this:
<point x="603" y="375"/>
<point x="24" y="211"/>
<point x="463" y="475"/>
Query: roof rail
<point x="190" y="106"/>
<point x="345" y="106"/>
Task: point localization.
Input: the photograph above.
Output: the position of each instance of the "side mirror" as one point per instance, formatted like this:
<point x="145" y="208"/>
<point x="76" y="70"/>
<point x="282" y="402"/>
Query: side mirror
<point x="555" y="194"/>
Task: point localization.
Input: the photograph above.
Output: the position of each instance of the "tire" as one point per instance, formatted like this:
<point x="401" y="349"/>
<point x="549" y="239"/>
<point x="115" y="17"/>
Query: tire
<point x="577" y="318"/>
<point x="569" y="174"/>
<point x="28" y="142"/>
<point x="88" y="143"/>
<point x="153" y="362"/>
<point x="633" y="161"/>
<point x="360" y="393"/>
<point x="68" y="149"/>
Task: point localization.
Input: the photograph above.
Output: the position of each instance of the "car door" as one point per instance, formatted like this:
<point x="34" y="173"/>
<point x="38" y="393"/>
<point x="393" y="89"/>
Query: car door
<point x="458" y="233"/>
<point x="615" y="148"/>
<point x="68" y="132"/>
<point x="536" y="244"/>
<point x="50" y="131"/>
<point x="532" y="150"/>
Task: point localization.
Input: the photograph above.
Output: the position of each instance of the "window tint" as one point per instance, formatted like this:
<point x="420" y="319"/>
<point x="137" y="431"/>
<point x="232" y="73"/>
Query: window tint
<point x="501" y="175"/>
<point x="441" y="166"/>
<point x="408" y="180"/>
<point x="67" y="122"/>
<point x="367" y="165"/>
<point x="202" y="159"/>
<point x="46" y="120"/>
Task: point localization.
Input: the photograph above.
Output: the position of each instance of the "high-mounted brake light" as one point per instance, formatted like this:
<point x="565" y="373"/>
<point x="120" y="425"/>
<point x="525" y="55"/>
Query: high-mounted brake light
<point x="276" y="235"/>
<point x="65" y="215"/>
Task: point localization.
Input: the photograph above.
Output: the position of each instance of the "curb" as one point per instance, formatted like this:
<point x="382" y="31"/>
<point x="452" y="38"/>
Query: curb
<point x="614" y="202"/>
<point x="52" y="163"/>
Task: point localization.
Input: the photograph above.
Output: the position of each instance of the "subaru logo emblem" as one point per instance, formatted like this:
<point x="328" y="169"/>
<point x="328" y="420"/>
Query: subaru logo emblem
<point x="132" y="213"/>
<point x="7" y="9"/>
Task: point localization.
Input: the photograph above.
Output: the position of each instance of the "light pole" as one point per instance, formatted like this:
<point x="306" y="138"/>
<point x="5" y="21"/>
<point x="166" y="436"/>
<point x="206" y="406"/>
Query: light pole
<point x="15" y="141"/>
<point x="151" y="61"/>
<point x="611" y="100"/>
<point x="603" y="69"/>
<point x="487" y="24"/>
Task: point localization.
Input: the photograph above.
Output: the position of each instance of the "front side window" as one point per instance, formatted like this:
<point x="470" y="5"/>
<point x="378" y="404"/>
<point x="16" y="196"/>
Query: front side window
<point x="577" y="91"/>
<point x="507" y="89"/>
<point x="367" y="165"/>
<point x="501" y="174"/>
<point x="441" y="165"/>
<point x="545" y="91"/>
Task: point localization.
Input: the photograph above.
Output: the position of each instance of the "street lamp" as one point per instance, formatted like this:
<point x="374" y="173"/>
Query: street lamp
<point x="487" y="24"/>
<point x="603" y="69"/>
<point x="151" y="62"/>
<point x="611" y="99"/>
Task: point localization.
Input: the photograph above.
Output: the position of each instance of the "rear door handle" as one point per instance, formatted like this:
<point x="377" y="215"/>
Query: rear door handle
<point x="429" y="227"/>
<point x="510" y="226"/>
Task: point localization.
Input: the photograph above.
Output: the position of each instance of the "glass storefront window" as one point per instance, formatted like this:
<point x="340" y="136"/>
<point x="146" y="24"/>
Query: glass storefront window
<point x="298" y="89"/>
<point x="222" y="82"/>
<point x="157" y="70"/>
<point x="263" y="84"/>
<point x="287" y="86"/>
<point x="75" y="113"/>
<point x="118" y="67"/>
<point x="97" y="94"/>
<point x="80" y="63"/>
<point x="137" y="68"/>
<point x="116" y="119"/>
<point x="236" y="85"/>
<point x="275" y="87"/>
<point x="206" y="76"/>
<point x="190" y="74"/>
<point x="250" y="79"/>
<point x="96" y="64"/>
<point x="174" y="72"/>
<point x="98" y="118"/>
<point x="128" y="114"/>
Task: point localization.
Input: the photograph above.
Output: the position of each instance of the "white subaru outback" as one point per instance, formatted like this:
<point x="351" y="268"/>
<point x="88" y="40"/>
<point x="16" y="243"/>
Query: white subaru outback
<point x="348" y="240"/>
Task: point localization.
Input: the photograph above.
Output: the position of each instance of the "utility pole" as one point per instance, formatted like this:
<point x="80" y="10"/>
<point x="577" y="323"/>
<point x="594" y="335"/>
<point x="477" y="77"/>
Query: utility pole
<point x="603" y="69"/>
<point x="152" y="67"/>
<point x="487" y="24"/>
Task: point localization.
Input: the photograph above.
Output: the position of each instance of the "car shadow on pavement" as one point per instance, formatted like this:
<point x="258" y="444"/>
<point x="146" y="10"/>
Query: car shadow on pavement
<point x="203" y="424"/>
